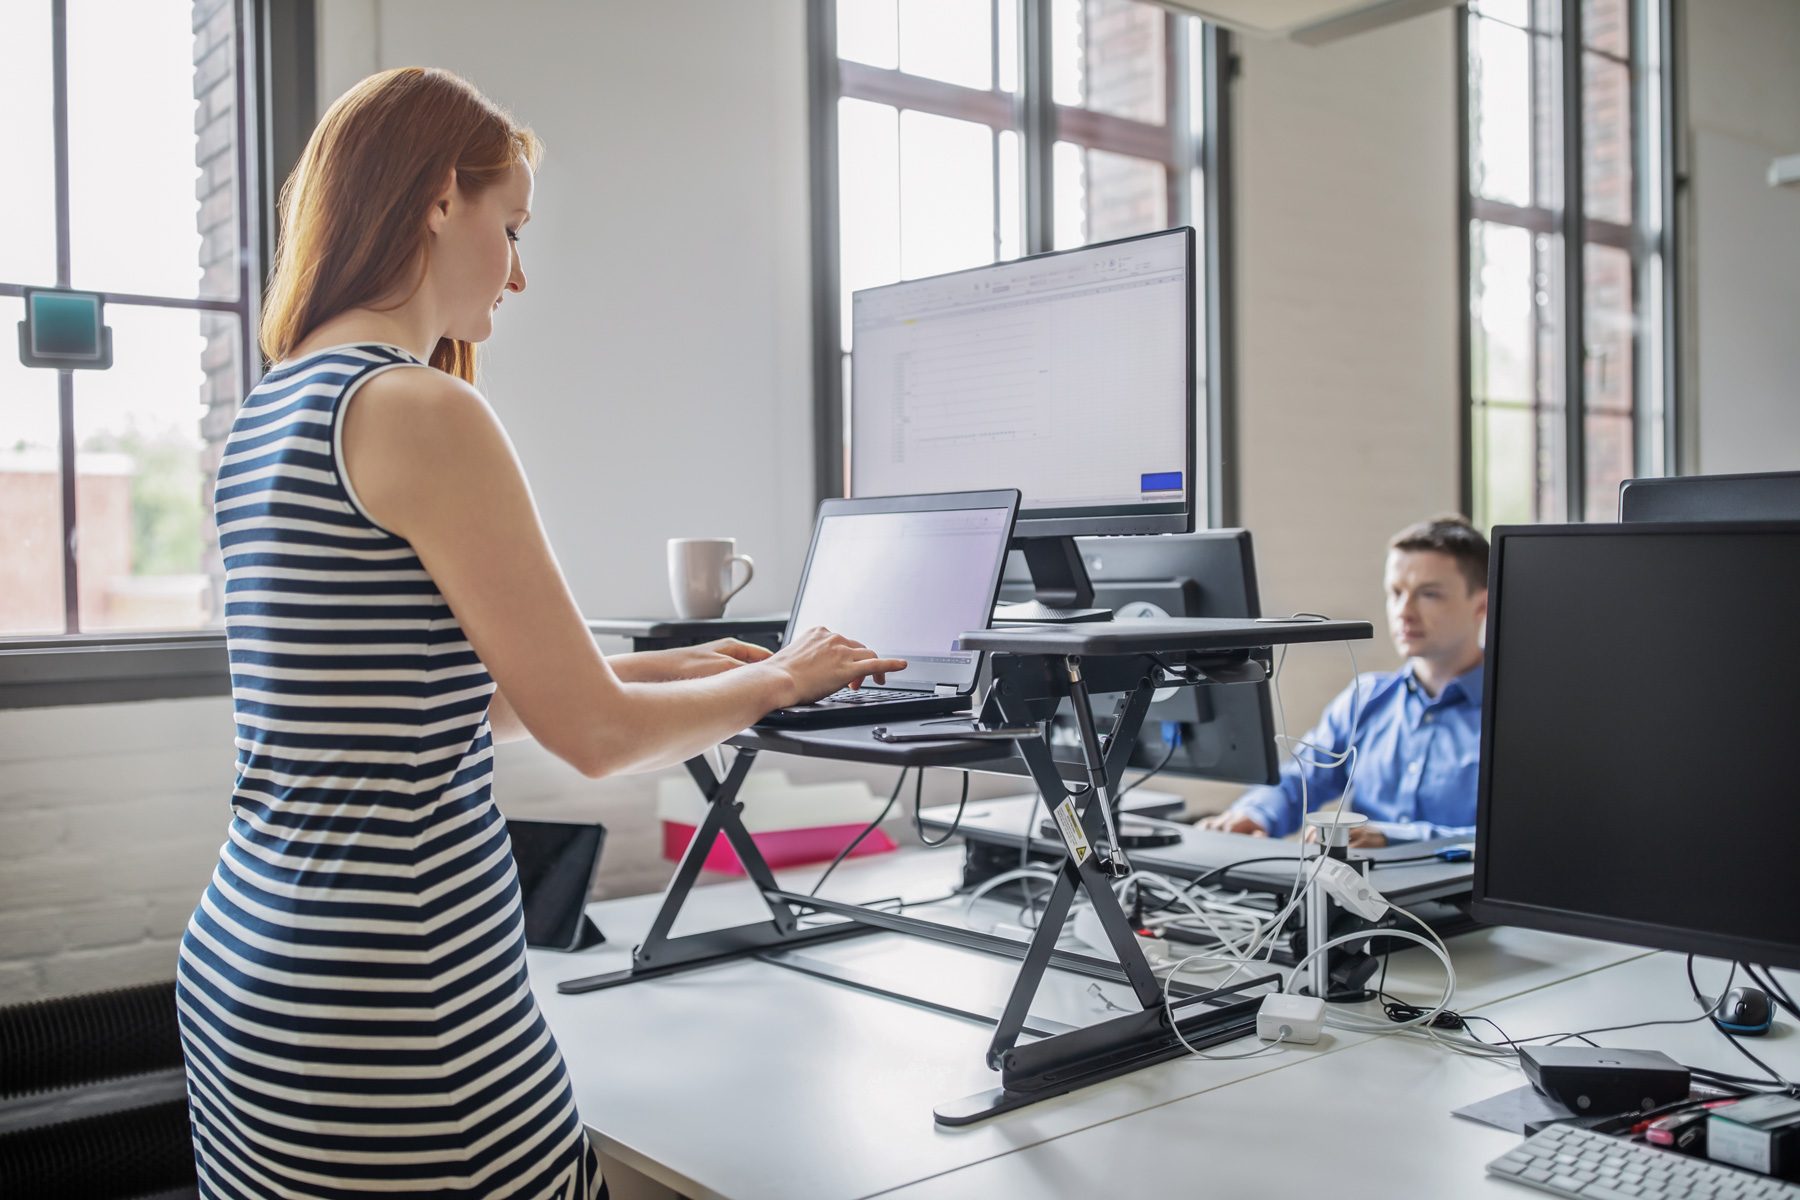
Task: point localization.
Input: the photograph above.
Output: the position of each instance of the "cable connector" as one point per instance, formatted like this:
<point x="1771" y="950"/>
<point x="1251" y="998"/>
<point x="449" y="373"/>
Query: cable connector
<point x="1347" y="885"/>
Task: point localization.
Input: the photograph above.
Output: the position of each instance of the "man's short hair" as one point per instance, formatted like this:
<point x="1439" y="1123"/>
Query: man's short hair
<point x="1450" y="534"/>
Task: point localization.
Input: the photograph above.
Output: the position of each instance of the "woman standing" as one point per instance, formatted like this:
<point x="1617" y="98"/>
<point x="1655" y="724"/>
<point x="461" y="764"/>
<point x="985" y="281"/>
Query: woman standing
<point x="352" y="991"/>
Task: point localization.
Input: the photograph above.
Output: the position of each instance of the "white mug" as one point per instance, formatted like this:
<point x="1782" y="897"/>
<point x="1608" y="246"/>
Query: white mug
<point x="700" y="575"/>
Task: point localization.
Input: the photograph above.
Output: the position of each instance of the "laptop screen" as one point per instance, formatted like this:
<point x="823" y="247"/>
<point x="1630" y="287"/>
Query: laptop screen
<point x="907" y="585"/>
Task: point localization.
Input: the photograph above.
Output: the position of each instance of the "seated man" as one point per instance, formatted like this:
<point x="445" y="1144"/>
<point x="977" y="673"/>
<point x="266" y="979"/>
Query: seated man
<point x="1418" y="729"/>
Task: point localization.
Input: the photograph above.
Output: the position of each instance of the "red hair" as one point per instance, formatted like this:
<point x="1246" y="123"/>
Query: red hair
<point x="353" y="212"/>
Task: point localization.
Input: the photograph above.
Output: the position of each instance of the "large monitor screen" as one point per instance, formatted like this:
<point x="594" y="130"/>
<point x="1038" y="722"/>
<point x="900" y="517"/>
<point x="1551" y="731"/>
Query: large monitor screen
<point x="1069" y="376"/>
<point x="1637" y="774"/>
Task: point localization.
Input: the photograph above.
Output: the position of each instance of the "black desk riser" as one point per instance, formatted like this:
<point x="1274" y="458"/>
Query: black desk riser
<point x="1034" y="669"/>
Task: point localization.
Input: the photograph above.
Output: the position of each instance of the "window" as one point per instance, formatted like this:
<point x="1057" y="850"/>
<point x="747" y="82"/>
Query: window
<point x="956" y="133"/>
<point x="1569" y="296"/>
<point x="128" y="141"/>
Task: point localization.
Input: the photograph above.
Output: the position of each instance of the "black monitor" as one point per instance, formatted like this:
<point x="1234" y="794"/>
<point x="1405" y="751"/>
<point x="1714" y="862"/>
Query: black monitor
<point x="1768" y="497"/>
<point x="1637" y="772"/>
<point x="1223" y="731"/>
<point x="1070" y="376"/>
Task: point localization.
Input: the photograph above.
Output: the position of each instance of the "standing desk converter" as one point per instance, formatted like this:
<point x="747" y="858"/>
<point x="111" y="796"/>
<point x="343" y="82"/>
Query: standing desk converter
<point x="1034" y="670"/>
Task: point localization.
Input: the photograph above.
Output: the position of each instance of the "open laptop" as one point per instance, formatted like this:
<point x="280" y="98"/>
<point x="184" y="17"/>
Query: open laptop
<point x="905" y="576"/>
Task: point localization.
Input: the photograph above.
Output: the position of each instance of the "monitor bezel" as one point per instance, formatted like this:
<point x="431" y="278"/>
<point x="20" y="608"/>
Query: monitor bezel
<point x="1179" y="517"/>
<point x="1657" y="490"/>
<point x="1490" y="910"/>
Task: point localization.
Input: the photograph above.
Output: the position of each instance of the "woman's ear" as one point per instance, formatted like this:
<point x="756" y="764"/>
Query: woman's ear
<point x="440" y="204"/>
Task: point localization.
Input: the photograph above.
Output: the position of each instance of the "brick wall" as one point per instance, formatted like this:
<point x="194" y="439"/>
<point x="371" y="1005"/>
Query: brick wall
<point x="215" y="152"/>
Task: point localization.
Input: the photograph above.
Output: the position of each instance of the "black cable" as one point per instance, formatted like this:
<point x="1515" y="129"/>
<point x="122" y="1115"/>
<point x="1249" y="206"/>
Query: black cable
<point x="1768" y="983"/>
<point x="919" y="826"/>
<point x="1151" y="773"/>
<point x="866" y="831"/>
<point x="1693" y="984"/>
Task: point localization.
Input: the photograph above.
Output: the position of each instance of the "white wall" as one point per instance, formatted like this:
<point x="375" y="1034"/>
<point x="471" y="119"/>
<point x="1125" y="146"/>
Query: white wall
<point x="1347" y="392"/>
<point x="1743" y="249"/>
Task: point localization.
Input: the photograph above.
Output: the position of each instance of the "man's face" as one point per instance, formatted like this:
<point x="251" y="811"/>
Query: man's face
<point x="1432" y="611"/>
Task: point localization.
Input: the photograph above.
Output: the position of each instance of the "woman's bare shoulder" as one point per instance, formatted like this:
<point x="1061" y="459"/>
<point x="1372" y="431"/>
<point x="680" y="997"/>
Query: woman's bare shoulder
<point x="410" y="432"/>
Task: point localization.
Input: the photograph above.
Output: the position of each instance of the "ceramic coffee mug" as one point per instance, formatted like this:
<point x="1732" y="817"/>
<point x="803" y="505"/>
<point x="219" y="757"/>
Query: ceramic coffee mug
<point x="700" y="575"/>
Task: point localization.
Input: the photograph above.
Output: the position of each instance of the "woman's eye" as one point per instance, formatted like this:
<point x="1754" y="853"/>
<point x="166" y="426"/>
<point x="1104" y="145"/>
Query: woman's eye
<point x="512" y="235"/>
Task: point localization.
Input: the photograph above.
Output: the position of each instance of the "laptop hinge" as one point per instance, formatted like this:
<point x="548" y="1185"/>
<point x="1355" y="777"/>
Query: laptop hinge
<point x="945" y="689"/>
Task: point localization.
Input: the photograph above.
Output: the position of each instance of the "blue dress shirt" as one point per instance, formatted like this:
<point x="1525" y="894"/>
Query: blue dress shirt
<point x="1416" y="760"/>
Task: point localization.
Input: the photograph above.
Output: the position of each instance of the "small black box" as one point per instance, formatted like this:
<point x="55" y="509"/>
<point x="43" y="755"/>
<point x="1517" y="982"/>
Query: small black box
<point x="1592" y="1080"/>
<point x="1761" y="1133"/>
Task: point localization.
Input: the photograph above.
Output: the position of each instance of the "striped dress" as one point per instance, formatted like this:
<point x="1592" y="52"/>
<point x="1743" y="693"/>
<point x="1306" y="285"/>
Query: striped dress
<point x="352" y="994"/>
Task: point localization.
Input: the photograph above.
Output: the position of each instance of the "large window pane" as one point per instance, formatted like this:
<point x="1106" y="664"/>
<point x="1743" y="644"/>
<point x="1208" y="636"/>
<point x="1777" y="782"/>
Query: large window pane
<point x="152" y="179"/>
<point x="1500" y="89"/>
<point x="144" y="487"/>
<point x="1610" y="444"/>
<point x="951" y="40"/>
<point x="946" y="194"/>
<point x="868" y="31"/>
<point x="1504" y="313"/>
<point x="1125" y="195"/>
<point x="1606" y="26"/>
<point x="28" y="198"/>
<point x="1606" y="138"/>
<point x="1505" y="465"/>
<point x="1111" y="56"/>
<point x="868" y="198"/>
<point x="31" y="572"/>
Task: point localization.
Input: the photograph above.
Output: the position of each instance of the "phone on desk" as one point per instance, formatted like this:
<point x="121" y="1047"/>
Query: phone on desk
<point x="1008" y="733"/>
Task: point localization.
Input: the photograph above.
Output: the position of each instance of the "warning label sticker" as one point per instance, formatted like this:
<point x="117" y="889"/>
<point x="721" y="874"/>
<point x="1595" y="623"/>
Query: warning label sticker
<point x="1073" y="837"/>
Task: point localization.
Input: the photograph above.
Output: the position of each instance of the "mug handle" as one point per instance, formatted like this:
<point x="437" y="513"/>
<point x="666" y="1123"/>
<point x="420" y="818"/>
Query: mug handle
<point x="749" y="574"/>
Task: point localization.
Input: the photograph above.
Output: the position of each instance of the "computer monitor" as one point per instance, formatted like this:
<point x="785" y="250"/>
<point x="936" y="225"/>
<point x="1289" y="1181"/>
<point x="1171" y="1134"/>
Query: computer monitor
<point x="1222" y="732"/>
<point x="1768" y="497"/>
<point x="1637" y="775"/>
<point x="1069" y="375"/>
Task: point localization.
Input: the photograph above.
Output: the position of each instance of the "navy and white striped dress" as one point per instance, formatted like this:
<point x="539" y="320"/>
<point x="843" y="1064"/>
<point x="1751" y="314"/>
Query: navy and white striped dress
<point x="352" y="992"/>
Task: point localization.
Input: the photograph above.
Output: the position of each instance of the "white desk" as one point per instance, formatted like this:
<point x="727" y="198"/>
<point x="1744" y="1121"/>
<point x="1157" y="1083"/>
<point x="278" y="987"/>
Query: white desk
<point x="748" y="1080"/>
<point x="1373" y="1120"/>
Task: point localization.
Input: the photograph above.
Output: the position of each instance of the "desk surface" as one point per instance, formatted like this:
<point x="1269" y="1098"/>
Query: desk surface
<point x="686" y="627"/>
<point x="1141" y="635"/>
<point x="749" y="1080"/>
<point x="1372" y="1121"/>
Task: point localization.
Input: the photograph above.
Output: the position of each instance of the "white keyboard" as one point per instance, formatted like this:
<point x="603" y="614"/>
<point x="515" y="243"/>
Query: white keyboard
<point x="1594" y="1166"/>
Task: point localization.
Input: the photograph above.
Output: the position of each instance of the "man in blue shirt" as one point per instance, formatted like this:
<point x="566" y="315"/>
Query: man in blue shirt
<point x="1417" y="731"/>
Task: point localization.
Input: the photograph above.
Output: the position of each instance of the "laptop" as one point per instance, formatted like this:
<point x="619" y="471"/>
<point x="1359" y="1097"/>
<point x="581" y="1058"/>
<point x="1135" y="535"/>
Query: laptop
<point x="906" y="576"/>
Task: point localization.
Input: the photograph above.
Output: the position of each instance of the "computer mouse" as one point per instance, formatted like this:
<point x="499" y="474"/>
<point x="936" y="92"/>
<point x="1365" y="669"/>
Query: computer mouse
<point x="1745" y="1011"/>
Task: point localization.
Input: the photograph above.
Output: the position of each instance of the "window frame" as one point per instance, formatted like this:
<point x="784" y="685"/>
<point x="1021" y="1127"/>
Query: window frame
<point x="1040" y="123"/>
<point x="1569" y="219"/>
<point x="276" y="109"/>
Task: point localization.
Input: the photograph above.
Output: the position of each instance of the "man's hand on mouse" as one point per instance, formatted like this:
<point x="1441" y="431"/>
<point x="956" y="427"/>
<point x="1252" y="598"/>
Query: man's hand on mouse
<point x="1234" y="822"/>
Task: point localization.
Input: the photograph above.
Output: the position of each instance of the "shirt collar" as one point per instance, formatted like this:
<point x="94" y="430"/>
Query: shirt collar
<point x="1467" y="686"/>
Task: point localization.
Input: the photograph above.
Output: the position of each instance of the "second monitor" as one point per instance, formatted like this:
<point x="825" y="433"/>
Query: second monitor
<point x="1070" y="376"/>
<point x="1222" y="732"/>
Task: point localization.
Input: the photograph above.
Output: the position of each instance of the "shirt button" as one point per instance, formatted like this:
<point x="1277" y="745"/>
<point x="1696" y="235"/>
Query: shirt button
<point x="1413" y="768"/>
<point x="1427" y="718"/>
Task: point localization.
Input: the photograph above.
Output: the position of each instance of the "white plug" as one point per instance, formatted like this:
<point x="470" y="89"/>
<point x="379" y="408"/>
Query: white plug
<point x="1285" y="1017"/>
<point x="1351" y="889"/>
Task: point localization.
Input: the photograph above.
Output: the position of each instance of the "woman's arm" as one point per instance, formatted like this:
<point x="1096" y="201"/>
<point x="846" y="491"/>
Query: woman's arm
<point x="643" y="666"/>
<point x="428" y="460"/>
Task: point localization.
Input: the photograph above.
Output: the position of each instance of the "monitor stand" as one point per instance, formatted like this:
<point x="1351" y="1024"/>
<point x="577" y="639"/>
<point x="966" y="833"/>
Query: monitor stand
<point x="1064" y="593"/>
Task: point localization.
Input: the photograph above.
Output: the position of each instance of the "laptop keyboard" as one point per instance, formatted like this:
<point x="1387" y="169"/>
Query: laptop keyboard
<point x="867" y="696"/>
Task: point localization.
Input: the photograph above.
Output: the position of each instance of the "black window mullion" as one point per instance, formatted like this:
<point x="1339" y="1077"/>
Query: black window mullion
<point x="1037" y="124"/>
<point x="1574" y="251"/>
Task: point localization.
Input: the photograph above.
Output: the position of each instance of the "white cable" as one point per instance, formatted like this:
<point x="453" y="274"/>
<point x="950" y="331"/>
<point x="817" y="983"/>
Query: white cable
<point x="1175" y="1026"/>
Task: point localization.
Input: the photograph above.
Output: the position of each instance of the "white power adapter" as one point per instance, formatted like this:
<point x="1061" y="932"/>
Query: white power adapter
<point x="1288" y="1018"/>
